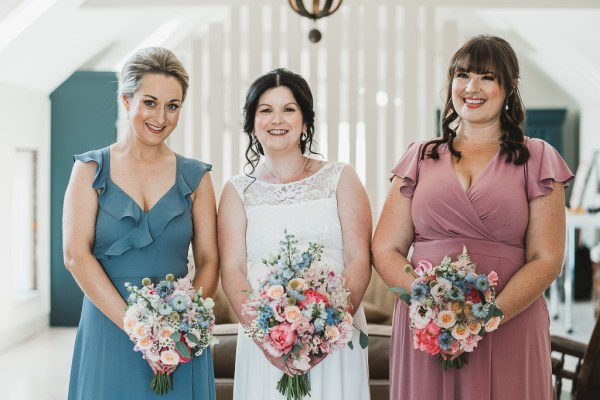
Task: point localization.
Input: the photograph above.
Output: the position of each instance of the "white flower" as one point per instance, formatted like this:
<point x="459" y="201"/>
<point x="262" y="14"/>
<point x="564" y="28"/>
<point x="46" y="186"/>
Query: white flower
<point x="460" y="332"/>
<point x="275" y="292"/>
<point x="445" y="319"/>
<point x="208" y="303"/>
<point x="492" y="324"/>
<point x="169" y="357"/>
<point x="302" y="363"/>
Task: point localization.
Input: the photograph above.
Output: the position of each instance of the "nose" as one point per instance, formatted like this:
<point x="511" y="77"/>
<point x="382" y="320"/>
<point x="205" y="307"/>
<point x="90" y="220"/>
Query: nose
<point x="159" y="116"/>
<point x="277" y="118"/>
<point x="472" y="85"/>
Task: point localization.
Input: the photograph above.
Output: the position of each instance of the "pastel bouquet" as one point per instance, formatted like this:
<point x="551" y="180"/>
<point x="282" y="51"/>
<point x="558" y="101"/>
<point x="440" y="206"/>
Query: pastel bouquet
<point x="302" y="312"/>
<point x="451" y="308"/>
<point x="168" y="323"/>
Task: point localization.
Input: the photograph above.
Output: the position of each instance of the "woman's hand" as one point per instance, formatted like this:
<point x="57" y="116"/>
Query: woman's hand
<point x="286" y="367"/>
<point x="158" y="368"/>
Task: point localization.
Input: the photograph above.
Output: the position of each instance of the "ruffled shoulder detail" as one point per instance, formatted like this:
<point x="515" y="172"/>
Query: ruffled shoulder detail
<point x="150" y="225"/>
<point x="408" y="168"/>
<point x="98" y="156"/>
<point x="545" y="165"/>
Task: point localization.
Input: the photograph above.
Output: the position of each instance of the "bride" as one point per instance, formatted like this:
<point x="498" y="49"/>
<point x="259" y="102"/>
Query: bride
<point x="317" y="201"/>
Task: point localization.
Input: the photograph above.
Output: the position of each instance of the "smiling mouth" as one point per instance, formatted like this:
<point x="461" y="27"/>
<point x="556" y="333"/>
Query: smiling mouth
<point x="155" y="129"/>
<point x="473" y="102"/>
<point x="278" y="132"/>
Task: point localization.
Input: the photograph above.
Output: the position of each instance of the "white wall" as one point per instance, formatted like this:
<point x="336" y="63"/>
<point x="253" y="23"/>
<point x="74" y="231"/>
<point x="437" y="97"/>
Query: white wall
<point x="25" y="117"/>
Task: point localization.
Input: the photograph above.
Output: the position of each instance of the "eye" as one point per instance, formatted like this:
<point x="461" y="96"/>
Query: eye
<point x="289" y="109"/>
<point x="461" y="75"/>
<point x="489" y="77"/>
<point x="149" y="103"/>
<point x="265" y="110"/>
<point x="172" y="107"/>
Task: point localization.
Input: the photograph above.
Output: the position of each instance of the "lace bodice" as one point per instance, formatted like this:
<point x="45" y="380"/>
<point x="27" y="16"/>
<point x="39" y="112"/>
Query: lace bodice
<point x="321" y="185"/>
<point x="306" y="208"/>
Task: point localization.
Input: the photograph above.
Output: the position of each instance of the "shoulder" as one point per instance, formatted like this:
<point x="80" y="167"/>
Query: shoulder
<point x="191" y="164"/>
<point x="98" y="156"/>
<point x="192" y="170"/>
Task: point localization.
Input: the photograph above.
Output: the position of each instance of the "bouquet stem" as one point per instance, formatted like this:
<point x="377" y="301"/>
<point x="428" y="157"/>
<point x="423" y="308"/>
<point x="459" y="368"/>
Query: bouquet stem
<point x="294" y="387"/>
<point x="448" y="364"/>
<point x="161" y="383"/>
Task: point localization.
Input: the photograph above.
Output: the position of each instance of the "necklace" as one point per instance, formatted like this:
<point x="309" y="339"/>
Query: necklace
<point x="303" y="166"/>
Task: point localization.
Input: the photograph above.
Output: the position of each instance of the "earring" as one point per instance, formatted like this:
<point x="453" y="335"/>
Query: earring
<point x="304" y="136"/>
<point x="506" y="106"/>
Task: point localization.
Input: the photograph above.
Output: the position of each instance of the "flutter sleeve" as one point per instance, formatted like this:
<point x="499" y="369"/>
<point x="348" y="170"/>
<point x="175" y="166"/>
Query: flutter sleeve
<point x="96" y="156"/>
<point x="545" y="166"/>
<point x="408" y="168"/>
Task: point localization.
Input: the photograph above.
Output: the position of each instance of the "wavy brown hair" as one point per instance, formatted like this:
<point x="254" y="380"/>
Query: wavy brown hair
<point x="481" y="55"/>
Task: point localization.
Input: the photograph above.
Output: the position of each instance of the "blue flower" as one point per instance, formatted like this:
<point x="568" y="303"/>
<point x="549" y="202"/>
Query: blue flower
<point x="445" y="340"/>
<point x="179" y="302"/>
<point x="164" y="308"/>
<point x="470" y="278"/>
<point x="480" y="310"/>
<point x="319" y="324"/>
<point x="276" y="279"/>
<point x="419" y="292"/>
<point x="183" y="326"/>
<point x="306" y="260"/>
<point x="481" y="283"/>
<point x="455" y="294"/>
<point x="164" y="288"/>
<point x="331" y="318"/>
<point x="287" y="273"/>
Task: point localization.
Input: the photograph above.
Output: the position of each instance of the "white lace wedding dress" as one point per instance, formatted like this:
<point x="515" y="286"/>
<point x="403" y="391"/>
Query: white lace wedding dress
<point x="308" y="210"/>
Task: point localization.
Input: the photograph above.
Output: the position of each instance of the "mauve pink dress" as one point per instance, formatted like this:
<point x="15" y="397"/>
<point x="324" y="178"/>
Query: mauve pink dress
<point x="490" y="218"/>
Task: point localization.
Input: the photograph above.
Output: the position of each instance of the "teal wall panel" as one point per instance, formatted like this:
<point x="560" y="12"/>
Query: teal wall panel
<point x="84" y="116"/>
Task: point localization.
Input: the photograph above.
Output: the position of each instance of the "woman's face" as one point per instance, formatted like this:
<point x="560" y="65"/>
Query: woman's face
<point x="278" y="122"/>
<point x="477" y="98"/>
<point x="154" y="108"/>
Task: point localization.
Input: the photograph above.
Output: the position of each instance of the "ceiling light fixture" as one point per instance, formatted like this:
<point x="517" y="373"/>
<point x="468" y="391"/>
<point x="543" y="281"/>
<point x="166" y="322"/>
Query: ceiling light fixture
<point x="316" y="11"/>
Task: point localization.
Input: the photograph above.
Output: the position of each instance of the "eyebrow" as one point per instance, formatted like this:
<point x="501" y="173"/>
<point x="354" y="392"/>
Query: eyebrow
<point x="156" y="98"/>
<point x="268" y="105"/>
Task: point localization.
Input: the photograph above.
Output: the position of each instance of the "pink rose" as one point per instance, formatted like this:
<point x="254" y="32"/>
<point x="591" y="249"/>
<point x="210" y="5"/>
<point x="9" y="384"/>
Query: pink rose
<point x="312" y="296"/>
<point x="283" y="337"/>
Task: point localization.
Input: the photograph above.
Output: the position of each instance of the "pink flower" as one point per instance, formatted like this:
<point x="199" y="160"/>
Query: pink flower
<point x="312" y="296"/>
<point x="283" y="337"/>
<point x="426" y="339"/>
<point x="493" y="278"/>
<point x="423" y="268"/>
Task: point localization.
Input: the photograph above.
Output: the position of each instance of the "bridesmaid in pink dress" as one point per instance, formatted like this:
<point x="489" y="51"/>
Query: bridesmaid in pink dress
<point x="483" y="185"/>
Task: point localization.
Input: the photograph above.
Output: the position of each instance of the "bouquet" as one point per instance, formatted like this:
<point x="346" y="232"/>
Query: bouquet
<point x="451" y="308"/>
<point x="168" y="322"/>
<point x="301" y="309"/>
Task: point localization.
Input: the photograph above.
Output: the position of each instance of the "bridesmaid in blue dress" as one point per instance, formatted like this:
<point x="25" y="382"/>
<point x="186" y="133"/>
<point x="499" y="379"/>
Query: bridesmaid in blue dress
<point x="131" y="211"/>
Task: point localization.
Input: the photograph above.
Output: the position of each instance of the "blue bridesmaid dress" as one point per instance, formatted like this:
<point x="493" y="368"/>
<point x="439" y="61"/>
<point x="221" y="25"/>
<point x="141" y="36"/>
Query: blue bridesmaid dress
<point x="132" y="244"/>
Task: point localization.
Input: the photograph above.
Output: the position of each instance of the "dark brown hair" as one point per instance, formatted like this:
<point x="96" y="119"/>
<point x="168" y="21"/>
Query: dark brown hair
<point x="481" y="55"/>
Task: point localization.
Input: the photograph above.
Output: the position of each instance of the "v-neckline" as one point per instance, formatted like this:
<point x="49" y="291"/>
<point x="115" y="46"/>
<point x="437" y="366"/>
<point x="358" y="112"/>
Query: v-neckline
<point x="132" y="199"/>
<point x="476" y="180"/>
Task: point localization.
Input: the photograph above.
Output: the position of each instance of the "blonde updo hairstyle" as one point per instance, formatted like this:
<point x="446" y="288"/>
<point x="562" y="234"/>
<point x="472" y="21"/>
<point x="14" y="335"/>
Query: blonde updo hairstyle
<point x="151" y="60"/>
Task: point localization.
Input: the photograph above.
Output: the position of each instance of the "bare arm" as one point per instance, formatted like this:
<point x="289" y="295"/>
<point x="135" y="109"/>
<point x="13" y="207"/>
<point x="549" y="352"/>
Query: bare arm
<point x="393" y="238"/>
<point x="232" y="249"/>
<point x="79" y="224"/>
<point x="544" y="252"/>
<point x="204" y="244"/>
<point x="354" y="212"/>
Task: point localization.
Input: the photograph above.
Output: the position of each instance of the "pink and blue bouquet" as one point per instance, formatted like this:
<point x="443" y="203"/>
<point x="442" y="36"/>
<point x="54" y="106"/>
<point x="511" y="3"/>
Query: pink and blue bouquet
<point x="301" y="310"/>
<point x="451" y="307"/>
<point x="168" y="322"/>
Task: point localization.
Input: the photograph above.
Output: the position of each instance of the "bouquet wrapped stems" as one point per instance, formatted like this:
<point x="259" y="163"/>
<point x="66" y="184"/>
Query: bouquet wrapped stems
<point x="294" y="387"/>
<point x="161" y="383"/>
